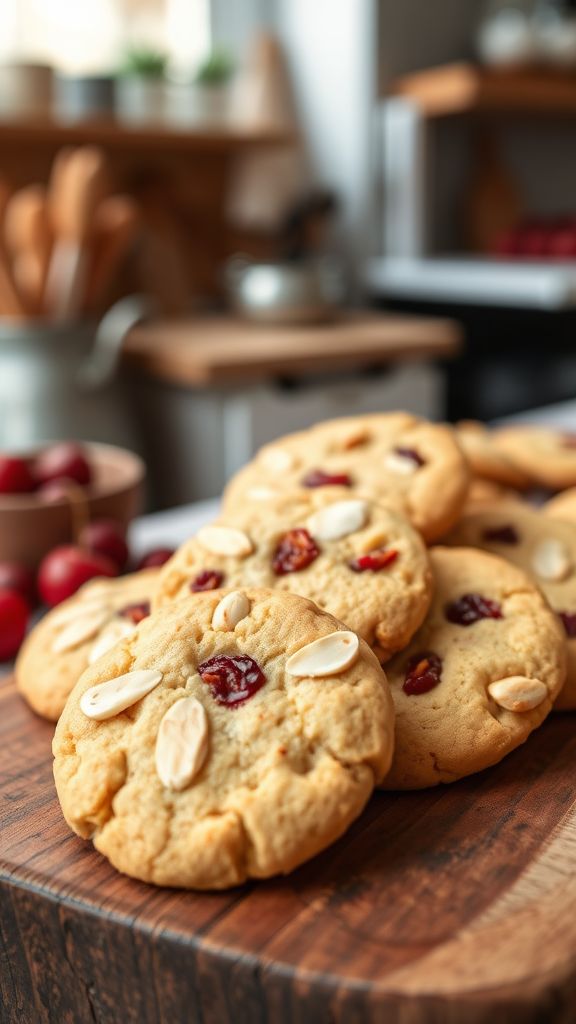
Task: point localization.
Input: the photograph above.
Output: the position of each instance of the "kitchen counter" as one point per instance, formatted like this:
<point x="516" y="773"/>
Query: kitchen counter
<point x="217" y="350"/>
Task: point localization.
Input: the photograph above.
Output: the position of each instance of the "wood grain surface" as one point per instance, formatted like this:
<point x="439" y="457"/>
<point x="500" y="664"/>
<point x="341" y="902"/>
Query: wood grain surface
<point x="439" y="907"/>
<point x="223" y="349"/>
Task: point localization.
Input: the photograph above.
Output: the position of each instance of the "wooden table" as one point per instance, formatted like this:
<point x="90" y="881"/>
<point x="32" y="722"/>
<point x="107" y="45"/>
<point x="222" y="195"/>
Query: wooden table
<point x="450" y="906"/>
<point x="221" y="349"/>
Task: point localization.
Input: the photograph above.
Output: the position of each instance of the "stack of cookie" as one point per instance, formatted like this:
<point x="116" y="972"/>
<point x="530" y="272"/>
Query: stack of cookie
<point x="304" y="649"/>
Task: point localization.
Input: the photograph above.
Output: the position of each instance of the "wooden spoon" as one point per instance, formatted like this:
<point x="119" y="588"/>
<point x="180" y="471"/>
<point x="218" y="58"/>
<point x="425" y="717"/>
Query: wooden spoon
<point x="75" y="192"/>
<point x="29" y="242"/>
<point x="116" y="221"/>
<point x="11" y="301"/>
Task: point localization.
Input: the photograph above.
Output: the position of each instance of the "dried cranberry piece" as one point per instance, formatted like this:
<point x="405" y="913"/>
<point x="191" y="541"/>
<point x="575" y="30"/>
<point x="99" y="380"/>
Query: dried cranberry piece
<point x="295" y="551"/>
<point x="374" y="560"/>
<point x="502" y="534"/>
<point x="232" y="679"/>
<point x="423" y="673"/>
<point x="412" y="454"/>
<point x="471" y="608"/>
<point x="318" y="478"/>
<point x="569" y="622"/>
<point x="136" y="612"/>
<point x="209" y="579"/>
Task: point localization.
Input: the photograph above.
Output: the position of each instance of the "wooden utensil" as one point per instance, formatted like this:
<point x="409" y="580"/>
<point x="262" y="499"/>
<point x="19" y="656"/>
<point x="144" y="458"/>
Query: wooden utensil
<point x="11" y="301"/>
<point x="28" y="239"/>
<point x="116" y="222"/>
<point x="75" y="192"/>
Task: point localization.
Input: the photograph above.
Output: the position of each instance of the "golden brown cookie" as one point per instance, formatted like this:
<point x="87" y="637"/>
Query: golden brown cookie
<point x="354" y="558"/>
<point x="546" y="455"/>
<point x="487" y="461"/>
<point x="542" y="546"/>
<point x="66" y="640"/>
<point x="480" y="674"/>
<point x="402" y="461"/>
<point x="234" y="735"/>
<point x="562" y="506"/>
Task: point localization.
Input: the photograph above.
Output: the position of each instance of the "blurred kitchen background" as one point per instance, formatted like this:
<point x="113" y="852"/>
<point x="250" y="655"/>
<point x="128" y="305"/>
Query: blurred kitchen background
<point x="224" y="221"/>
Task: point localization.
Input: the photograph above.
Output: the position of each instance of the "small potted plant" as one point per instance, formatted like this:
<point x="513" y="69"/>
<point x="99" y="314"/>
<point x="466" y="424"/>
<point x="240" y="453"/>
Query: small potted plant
<point x="140" y="91"/>
<point x="205" y="99"/>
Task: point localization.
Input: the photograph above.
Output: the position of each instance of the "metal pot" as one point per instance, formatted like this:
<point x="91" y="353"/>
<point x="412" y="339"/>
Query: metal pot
<point x="59" y="380"/>
<point x="302" y="292"/>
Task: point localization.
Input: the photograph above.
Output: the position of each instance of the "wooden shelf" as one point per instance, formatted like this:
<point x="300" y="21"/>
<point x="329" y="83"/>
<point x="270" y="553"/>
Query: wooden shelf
<point x="458" y="88"/>
<point x="117" y="135"/>
<point x="211" y="351"/>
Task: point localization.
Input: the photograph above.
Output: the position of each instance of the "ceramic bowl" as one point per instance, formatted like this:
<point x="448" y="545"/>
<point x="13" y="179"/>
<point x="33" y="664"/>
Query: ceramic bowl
<point x="30" y="526"/>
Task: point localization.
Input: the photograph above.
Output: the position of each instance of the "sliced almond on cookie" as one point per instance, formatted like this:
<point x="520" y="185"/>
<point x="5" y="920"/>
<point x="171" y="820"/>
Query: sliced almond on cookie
<point x="231" y="610"/>
<point x="325" y="657"/>
<point x="73" y="611"/>
<point x="400" y="464"/>
<point x="518" y="693"/>
<point x="277" y="460"/>
<point x="82" y="628"/>
<point x="338" y="520"/>
<point x="182" y="743"/>
<point x="117" y="630"/>
<point x="225" y="540"/>
<point x="261" y="493"/>
<point x="551" y="560"/>
<point x="115" y="695"/>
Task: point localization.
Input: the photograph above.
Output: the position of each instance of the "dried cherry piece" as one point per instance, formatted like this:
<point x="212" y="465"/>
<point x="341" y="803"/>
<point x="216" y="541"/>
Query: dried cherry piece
<point x="296" y="550"/>
<point x="423" y="673"/>
<point x="471" y="608"/>
<point x="136" y="612"/>
<point x="208" y="579"/>
<point x="232" y="678"/>
<point x="412" y="454"/>
<point x="374" y="560"/>
<point x="507" y="534"/>
<point x="318" y="478"/>
<point x="569" y="622"/>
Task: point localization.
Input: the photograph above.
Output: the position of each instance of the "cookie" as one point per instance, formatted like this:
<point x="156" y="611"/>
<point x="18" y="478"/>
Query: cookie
<point x="487" y="461"/>
<point x="56" y="652"/>
<point x="234" y="735"/>
<point x="486" y="492"/>
<point x="398" y="459"/>
<point x="562" y="506"/>
<point x="480" y="674"/>
<point x="542" y="546"/>
<point x="547" y="455"/>
<point x="357" y="560"/>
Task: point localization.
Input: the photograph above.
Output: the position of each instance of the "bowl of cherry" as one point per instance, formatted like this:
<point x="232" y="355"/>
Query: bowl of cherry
<point x="64" y="513"/>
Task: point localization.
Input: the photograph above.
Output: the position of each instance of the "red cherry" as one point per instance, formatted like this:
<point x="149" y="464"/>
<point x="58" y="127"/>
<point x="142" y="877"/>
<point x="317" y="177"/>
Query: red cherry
<point x="232" y="680"/>
<point x="106" y="537"/>
<point x="135" y="612"/>
<point x="209" y="579"/>
<point x="375" y="560"/>
<point x="155" y="558"/>
<point x="63" y="461"/>
<point x="66" y="568"/>
<point x="295" y="551"/>
<point x="18" y="577"/>
<point x="471" y="608"/>
<point x="15" y="476"/>
<point x="318" y="478"/>
<point x="14" y="613"/>
<point x="423" y="673"/>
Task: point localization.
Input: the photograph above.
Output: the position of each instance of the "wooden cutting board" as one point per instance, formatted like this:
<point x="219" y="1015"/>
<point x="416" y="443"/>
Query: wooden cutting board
<point x="440" y="907"/>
